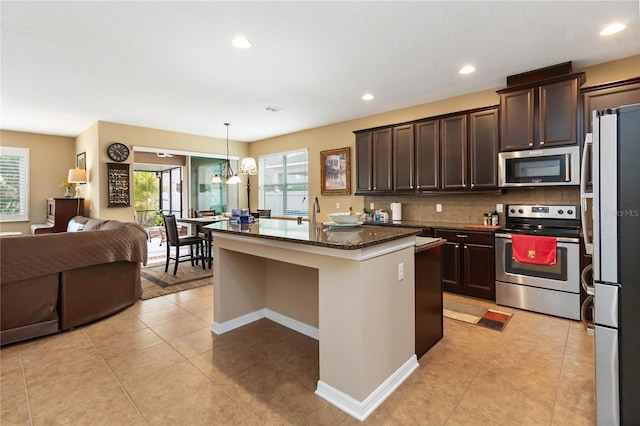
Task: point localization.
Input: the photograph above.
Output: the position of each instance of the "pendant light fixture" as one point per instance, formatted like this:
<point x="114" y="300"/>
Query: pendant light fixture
<point x="227" y="171"/>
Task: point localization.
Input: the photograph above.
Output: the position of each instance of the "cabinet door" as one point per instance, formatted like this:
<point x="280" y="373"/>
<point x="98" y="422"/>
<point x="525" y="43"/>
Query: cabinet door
<point x="479" y="271"/>
<point x="517" y="119"/>
<point x="428" y="155"/>
<point x="558" y="113"/>
<point x="609" y="96"/>
<point x="454" y="152"/>
<point x="382" y="160"/>
<point x="483" y="146"/>
<point x="451" y="278"/>
<point x="364" y="162"/>
<point x="403" y="158"/>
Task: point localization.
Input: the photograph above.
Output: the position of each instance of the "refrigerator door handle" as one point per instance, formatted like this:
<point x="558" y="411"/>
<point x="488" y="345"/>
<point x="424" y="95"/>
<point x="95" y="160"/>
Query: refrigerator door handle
<point x="588" y="244"/>
<point x="589" y="326"/>
<point x="584" y="279"/>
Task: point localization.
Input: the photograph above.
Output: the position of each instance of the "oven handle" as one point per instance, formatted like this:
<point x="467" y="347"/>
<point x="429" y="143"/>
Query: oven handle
<point x="558" y="239"/>
<point x="589" y="327"/>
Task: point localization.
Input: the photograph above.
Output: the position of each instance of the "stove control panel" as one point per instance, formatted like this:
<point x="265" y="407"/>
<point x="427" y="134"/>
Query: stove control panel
<point x="538" y="211"/>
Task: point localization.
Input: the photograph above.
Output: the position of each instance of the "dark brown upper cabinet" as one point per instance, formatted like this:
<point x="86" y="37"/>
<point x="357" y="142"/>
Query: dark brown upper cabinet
<point x="483" y="147"/>
<point x="403" y="158"/>
<point x="610" y="95"/>
<point x="364" y="162"/>
<point x="453" y="152"/>
<point x="374" y="161"/>
<point x="541" y="115"/>
<point x="453" y="142"/>
<point x="427" y="155"/>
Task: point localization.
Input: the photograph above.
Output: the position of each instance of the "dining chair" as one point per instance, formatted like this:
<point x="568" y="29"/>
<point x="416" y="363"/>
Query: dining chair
<point x="174" y="240"/>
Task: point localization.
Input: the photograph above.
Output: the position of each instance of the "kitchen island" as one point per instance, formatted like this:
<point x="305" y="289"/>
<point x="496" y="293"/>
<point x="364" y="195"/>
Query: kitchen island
<point x="352" y="288"/>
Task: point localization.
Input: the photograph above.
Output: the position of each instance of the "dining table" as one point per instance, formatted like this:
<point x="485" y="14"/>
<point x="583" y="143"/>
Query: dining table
<point x="199" y="223"/>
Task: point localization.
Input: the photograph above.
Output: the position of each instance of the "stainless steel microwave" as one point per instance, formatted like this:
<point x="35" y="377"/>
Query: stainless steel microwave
<point x="539" y="167"/>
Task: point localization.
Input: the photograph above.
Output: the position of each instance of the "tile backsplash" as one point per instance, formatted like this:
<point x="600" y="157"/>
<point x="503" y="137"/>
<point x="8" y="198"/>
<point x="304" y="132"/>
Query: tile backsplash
<point x="470" y="208"/>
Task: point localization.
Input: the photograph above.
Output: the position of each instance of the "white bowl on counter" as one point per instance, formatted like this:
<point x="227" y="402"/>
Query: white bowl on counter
<point x="344" y="218"/>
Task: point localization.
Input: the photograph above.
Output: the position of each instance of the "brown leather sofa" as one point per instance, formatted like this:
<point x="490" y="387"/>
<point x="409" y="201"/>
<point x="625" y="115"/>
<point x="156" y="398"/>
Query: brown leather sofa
<point x="55" y="282"/>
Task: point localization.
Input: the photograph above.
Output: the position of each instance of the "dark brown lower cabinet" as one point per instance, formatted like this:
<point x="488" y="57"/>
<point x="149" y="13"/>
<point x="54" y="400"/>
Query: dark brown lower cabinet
<point x="428" y="303"/>
<point x="468" y="263"/>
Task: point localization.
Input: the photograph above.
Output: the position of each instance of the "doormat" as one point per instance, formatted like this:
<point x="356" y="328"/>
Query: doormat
<point x="156" y="282"/>
<point x="472" y="314"/>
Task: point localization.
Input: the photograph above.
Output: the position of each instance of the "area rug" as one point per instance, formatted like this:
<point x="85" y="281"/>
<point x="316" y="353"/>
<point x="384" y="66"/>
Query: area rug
<point x="156" y="282"/>
<point x="472" y="314"/>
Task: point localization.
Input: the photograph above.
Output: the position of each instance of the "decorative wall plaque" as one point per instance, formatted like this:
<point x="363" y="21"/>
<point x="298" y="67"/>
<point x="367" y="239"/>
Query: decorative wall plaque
<point x="118" y="190"/>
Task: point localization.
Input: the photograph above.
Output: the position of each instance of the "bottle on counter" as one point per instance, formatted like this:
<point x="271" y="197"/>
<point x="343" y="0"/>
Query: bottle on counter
<point x="485" y="219"/>
<point x="494" y="219"/>
<point x="376" y="216"/>
<point x="384" y="216"/>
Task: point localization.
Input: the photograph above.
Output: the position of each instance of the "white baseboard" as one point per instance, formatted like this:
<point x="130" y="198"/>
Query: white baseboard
<point x="296" y="325"/>
<point x="300" y="327"/>
<point x="220" y="328"/>
<point x="362" y="410"/>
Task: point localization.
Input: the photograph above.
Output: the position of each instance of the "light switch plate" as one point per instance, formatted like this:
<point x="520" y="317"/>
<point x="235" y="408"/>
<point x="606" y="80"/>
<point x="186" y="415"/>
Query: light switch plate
<point x="499" y="208"/>
<point x="400" y="271"/>
<point x="337" y="205"/>
<point x="438" y="207"/>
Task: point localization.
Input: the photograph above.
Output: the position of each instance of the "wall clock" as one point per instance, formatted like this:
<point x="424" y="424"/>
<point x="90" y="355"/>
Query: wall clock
<point x="118" y="151"/>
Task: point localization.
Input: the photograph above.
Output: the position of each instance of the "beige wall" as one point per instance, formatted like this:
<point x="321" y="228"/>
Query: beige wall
<point x="50" y="158"/>
<point x="153" y="138"/>
<point x="419" y="208"/>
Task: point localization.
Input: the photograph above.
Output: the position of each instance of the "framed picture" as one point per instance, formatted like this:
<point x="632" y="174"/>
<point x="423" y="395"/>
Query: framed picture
<point x="81" y="161"/>
<point x="335" y="165"/>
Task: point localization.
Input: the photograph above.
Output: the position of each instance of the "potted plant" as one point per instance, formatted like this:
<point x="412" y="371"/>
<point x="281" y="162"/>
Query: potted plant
<point x="67" y="185"/>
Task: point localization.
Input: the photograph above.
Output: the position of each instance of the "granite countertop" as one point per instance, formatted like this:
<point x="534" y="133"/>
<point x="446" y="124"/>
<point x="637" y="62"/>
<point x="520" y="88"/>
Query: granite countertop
<point x="344" y="238"/>
<point x="429" y="225"/>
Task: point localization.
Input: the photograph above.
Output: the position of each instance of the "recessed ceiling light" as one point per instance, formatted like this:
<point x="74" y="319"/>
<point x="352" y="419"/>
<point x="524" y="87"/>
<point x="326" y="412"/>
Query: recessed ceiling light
<point x="468" y="69"/>
<point x="612" y="29"/>
<point x="241" y="43"/>
<point x="367" y="97"/>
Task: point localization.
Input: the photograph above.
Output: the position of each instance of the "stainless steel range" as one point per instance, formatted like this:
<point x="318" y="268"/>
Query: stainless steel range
<point x="548" y="289"/>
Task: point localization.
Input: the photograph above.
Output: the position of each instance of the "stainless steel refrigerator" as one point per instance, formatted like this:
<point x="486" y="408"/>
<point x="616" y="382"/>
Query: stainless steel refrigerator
<point x="616" y="263"/>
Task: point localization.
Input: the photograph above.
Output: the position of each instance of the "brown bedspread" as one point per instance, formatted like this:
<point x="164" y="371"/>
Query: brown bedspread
<point x="33" y="256"/>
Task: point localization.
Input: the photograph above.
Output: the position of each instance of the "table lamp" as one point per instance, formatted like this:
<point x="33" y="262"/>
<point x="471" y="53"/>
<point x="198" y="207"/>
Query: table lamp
<point x="77" y="176"/>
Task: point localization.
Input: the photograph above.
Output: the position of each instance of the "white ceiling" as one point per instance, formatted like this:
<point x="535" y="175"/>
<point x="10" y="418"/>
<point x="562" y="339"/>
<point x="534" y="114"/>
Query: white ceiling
<point x="171" y="65"/>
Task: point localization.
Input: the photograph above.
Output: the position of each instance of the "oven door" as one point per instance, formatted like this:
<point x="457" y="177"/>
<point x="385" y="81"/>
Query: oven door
<point x="563" y="276"/>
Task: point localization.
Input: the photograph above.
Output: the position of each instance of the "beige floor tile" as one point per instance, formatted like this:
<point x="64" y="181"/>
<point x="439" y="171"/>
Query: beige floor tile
<point x="206" y="315"/>
<point x="57" y="395"/>
<point x="209" y="406"/>
<point x="464" y="417"/>
<point x="14" y="408"/>
<point x="576" y="390"/>
<point x="569" y="416"/>
<point x="149" y="305"/>
<point x="194" y="343"/>
<point x="179" y="326"/>
<point x="166" y="387"/>
<point x="126" y="320"/>
<point x="505" y="404"/>
<point x="163" y="314"/>
<point x="11" y="373"/>
<point x="126" y="341"/>
<point x="145" y="361"/>
<point x="110" y="407"/>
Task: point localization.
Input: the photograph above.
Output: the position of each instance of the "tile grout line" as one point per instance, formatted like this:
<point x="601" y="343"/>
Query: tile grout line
<point x="116" y="377"/>
<point x="26" y="389"/>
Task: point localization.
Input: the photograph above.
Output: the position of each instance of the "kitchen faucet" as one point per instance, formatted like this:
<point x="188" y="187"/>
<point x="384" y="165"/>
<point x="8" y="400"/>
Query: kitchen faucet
<point x="316" y="209"/>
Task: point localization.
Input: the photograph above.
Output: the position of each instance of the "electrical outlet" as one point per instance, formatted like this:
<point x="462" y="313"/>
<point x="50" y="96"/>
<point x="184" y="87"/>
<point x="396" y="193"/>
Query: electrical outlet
<point x="337" y="205"/>
<point x="400" y="271"/>
<point x="499" y="208"/>
<point x="439" y="208"/>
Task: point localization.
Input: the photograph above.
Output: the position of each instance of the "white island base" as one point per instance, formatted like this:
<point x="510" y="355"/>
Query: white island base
<point x="353" y="301"/>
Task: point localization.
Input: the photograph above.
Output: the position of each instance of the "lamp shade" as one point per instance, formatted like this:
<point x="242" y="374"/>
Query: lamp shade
<point x="77" y="176"/>
<point x="248" y="166"/>
<point x="233" y="180"/>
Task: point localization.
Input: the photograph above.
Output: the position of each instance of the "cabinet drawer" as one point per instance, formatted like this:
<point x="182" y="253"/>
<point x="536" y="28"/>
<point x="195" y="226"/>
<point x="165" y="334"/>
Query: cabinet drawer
<point x="463" y="236"/>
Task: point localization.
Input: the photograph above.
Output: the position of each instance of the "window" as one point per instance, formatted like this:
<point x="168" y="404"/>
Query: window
<point x="210" y="196"/>
<point x="14" y="184"/>
<point x="284" y="183"/>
